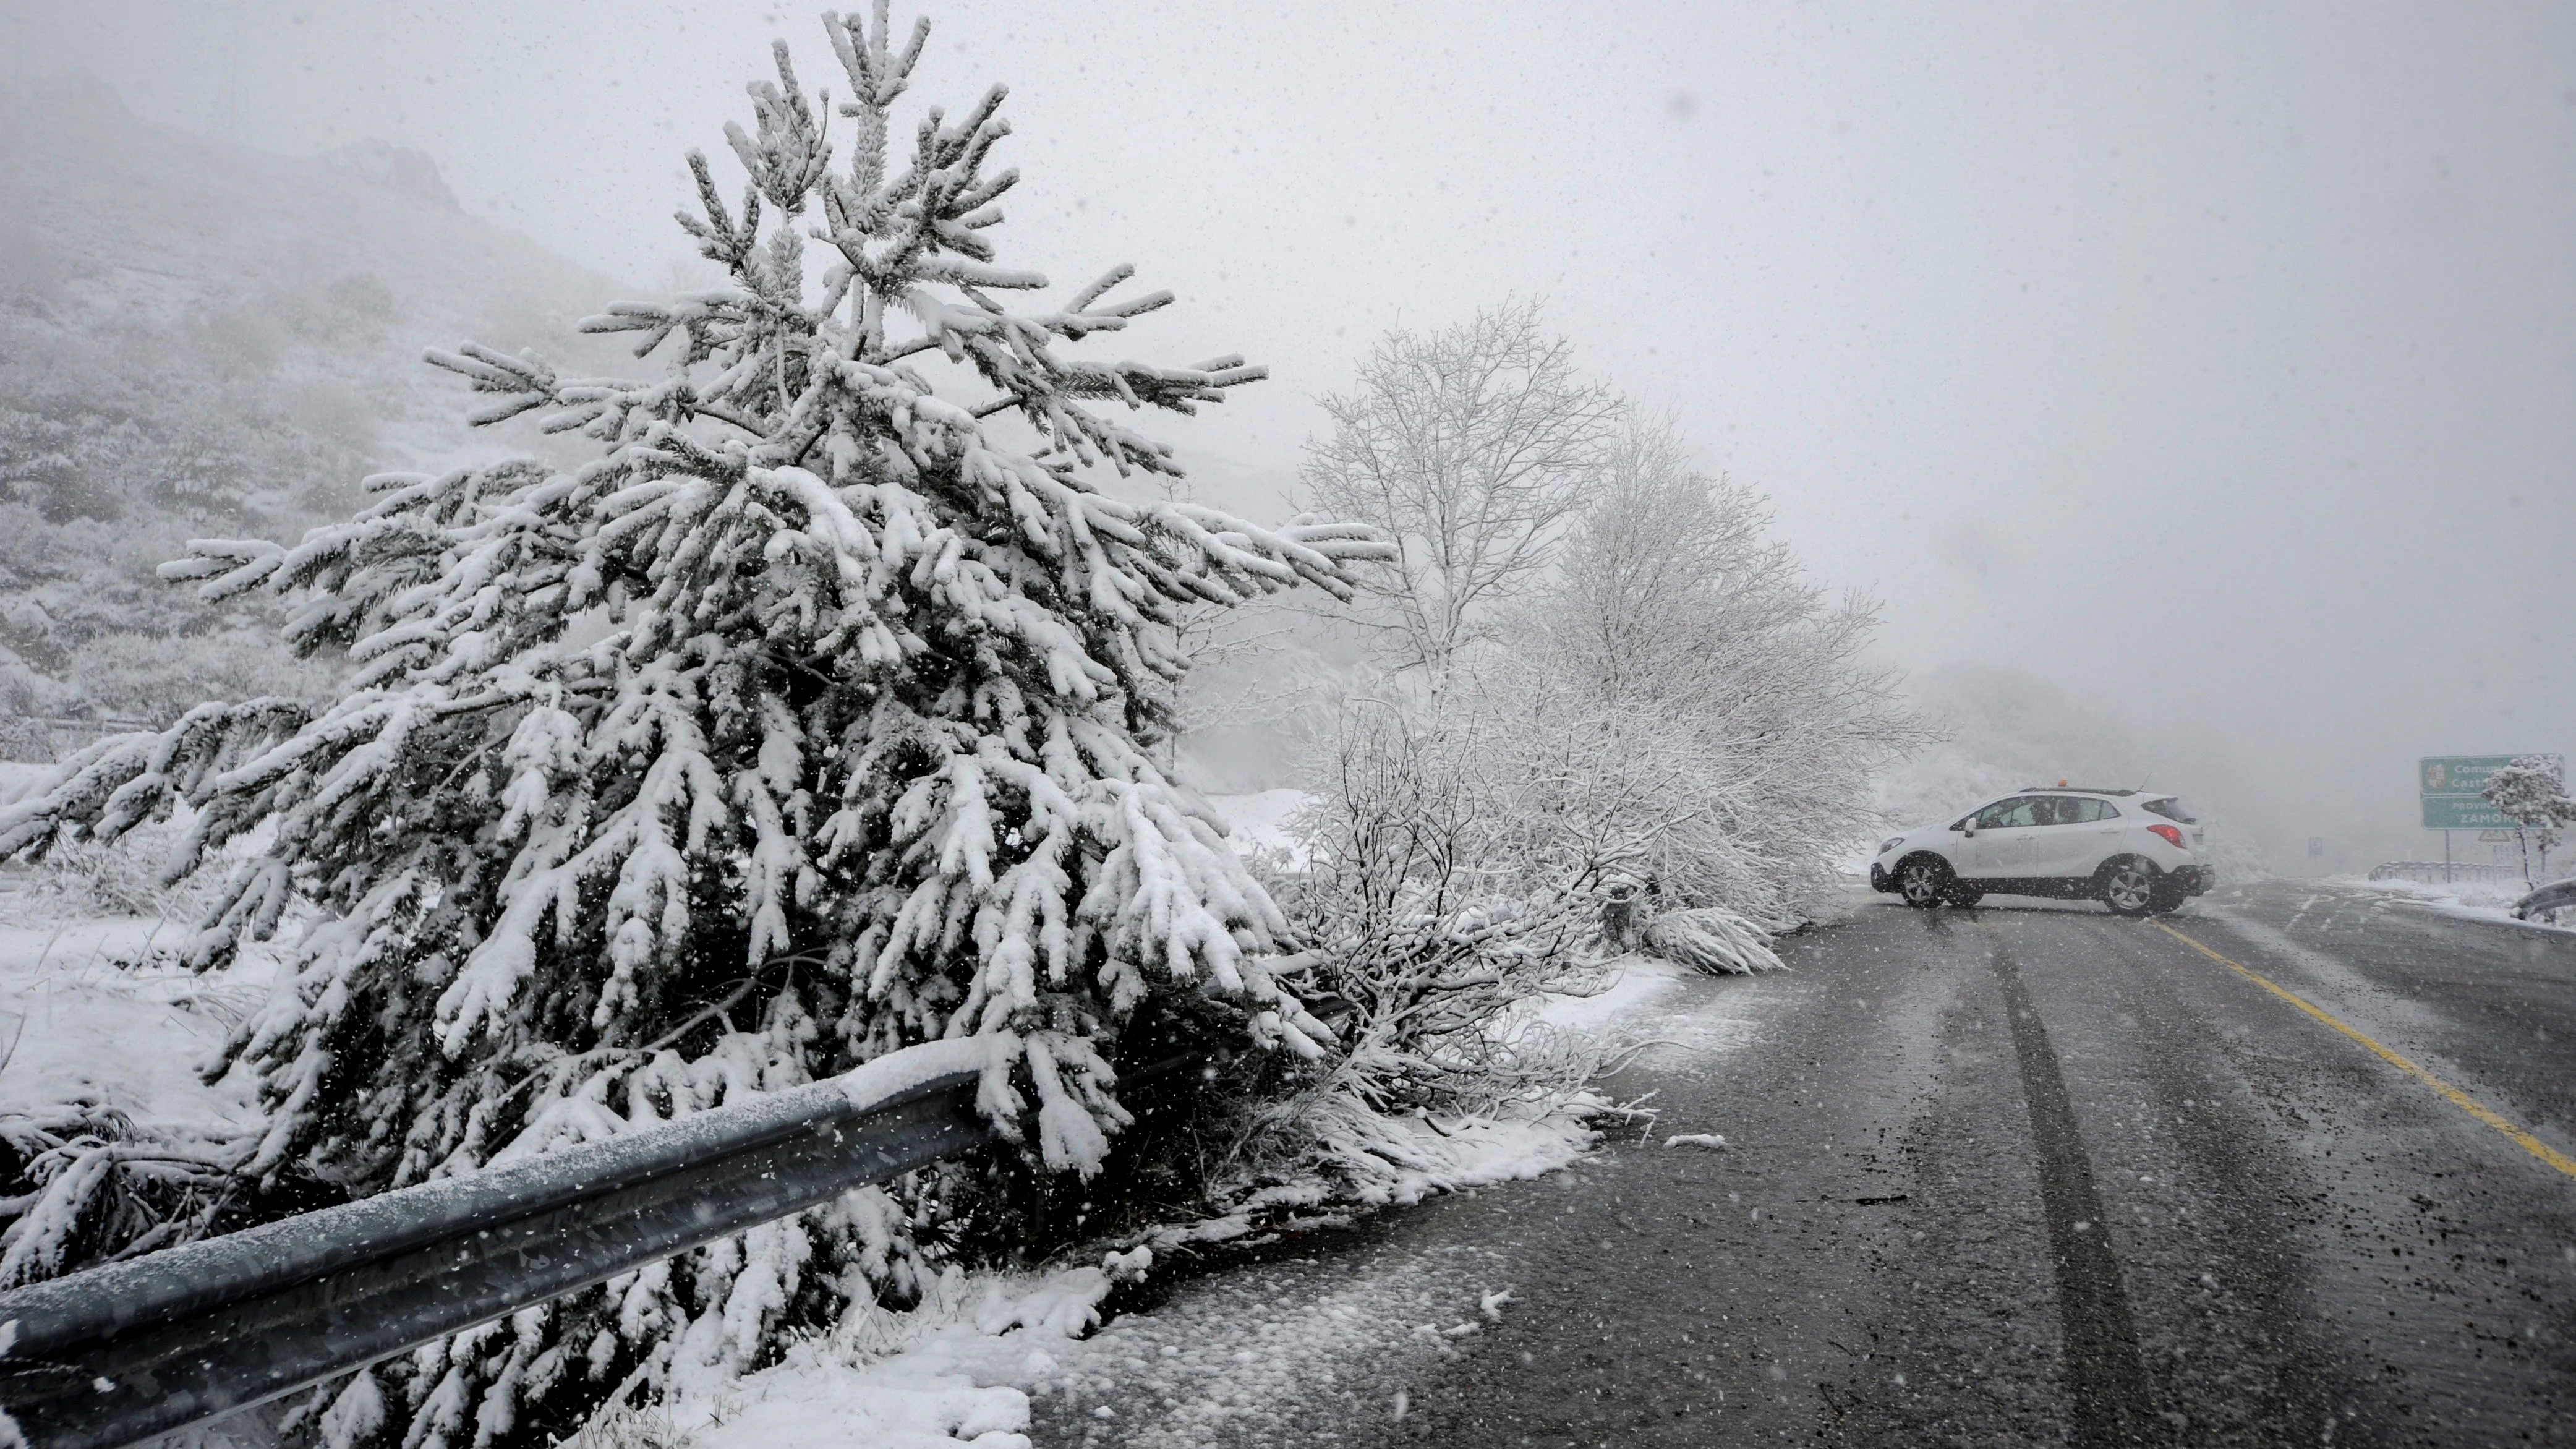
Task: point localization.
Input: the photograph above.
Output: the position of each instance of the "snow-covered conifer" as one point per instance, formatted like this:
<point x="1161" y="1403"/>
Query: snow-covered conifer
<point x="809" y="719"/>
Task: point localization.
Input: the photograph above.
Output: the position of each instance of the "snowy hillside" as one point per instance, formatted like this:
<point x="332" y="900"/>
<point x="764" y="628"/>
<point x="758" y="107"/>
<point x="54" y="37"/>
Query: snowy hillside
<point x="338" y="268"/>
<point x="202" y="339"/>
<point x="2005" y="729"/>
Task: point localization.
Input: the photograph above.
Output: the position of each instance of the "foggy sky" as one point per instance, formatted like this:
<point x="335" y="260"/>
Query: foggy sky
<point x="2218" y="363"/>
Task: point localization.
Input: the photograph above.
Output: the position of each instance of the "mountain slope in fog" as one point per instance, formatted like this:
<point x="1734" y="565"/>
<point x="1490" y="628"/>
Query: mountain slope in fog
<point x="2007" y="729"/>
<point x="345" y="264"/>
<point x="198" y="338"/>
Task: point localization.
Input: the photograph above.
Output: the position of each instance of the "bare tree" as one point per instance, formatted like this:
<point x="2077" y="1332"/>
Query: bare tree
<point x="1657" y="542"/>
<point x="1676" y="637"/>
<point x="1472" y="447"/>
<point x="2531" y="790"/>
<point x="1245" y="668"/>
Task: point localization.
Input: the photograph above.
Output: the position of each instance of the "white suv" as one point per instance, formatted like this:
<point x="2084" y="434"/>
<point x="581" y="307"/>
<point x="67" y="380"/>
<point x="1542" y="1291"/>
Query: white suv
<point x="2138" y="854"/>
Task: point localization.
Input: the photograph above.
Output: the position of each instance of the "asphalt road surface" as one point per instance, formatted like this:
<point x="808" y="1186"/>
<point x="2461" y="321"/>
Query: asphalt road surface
<point x="2031" y="1174"/>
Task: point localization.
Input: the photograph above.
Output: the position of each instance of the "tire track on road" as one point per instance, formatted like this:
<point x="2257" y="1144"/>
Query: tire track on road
<point x="2105" y="1370"/>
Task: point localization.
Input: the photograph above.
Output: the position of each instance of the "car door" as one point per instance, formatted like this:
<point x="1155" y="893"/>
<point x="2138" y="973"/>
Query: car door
<point x="1999" y="846"/>
<point x="2101" y="836"/>
<point x="2072" y="837"/>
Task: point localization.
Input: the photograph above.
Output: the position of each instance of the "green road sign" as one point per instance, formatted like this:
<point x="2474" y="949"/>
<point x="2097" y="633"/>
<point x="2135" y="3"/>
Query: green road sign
<point x="2463" y="812"/>
<point x="2457" y="774"/>
<point x="2449" y="786"/>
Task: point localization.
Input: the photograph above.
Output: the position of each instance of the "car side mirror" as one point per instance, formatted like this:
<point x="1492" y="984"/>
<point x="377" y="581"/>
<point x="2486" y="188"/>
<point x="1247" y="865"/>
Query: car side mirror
<point x="1969" y="831"/>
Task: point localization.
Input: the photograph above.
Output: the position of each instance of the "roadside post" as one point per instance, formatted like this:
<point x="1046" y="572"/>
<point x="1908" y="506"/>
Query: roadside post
<point x="1619" y="916"/>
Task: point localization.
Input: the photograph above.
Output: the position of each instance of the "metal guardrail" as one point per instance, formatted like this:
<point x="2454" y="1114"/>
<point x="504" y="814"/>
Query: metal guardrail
<point x="2434" y="872"/>
<point x="2555" y="896"/>
<point x="109" y="1356"/>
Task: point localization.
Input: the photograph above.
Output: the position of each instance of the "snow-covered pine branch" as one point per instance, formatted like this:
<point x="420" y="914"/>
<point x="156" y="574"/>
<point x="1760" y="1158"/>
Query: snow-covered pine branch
<point x="806" y="697"/>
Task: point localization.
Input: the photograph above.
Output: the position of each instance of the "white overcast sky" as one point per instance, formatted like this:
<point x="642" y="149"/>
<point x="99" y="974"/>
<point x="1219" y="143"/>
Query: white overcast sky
<point x="2216" y="360"/>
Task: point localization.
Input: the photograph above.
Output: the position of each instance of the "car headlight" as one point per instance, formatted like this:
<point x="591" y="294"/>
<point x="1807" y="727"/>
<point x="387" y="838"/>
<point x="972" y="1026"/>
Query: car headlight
<point x="1890" y="843"/>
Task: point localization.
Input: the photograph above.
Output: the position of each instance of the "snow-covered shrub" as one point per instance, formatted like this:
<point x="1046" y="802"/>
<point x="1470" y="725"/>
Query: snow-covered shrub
<point x="1423" y="915"/>
<point x="1423" y="908"/>
<point x="1673" y="701"/>
<point x="808" y="720"/>
<point x="123" y="877"/>
<point x="625" y="1426"/>
<point x="2531" y="790"/>
<point x="157" y="678"/>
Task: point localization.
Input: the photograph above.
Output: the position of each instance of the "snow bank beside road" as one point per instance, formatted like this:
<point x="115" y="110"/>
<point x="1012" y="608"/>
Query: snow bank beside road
<point x="2489" y="901"/>
<point x="1265" y="1354"/>
<point x="1255" y="1355"/>
<point x="983" y="1353"/>
<point x="1630" y="984"/>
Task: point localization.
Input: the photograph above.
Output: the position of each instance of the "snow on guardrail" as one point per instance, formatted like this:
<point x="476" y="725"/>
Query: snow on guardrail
<point x="113" y="1355"/>
<point x="2555" y="896"/>
<point x="2436" y="872"/>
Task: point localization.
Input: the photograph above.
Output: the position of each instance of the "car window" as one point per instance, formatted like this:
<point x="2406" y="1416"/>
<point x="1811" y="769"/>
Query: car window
<point x="2004" y="814"/>
<point x="2172" y="808"/>
<point x="2076" y="810"/>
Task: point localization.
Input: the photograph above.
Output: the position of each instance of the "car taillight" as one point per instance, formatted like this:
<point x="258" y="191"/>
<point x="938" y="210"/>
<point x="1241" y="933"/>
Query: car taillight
<point x="2172" y="834"/>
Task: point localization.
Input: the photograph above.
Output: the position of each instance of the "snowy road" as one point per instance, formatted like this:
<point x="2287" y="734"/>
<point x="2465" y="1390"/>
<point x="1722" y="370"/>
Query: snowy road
<point x="2013" y="1176"/>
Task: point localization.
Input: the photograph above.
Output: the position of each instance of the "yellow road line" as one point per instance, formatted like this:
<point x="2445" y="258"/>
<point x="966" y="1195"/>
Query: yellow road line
<point x="2458" y="1098"/>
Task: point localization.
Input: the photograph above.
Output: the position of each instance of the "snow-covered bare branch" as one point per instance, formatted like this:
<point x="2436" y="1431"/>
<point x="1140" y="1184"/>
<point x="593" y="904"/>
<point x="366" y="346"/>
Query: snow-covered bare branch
<point x="1472" y="447"/>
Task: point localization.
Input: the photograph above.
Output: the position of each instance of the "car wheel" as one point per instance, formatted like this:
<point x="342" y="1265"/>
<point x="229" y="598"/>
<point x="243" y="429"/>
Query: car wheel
<point x="2130" y="887"/>
<point x="1923" y="880"/>
<point x="2167" y="897"/>
<point x="1963" y="895"/>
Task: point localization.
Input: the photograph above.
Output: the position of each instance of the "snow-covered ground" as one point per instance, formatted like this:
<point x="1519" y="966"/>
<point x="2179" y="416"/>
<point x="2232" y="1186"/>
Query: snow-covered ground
<point x="95" y="1007"/>
<point x="98" y="1009"/>
<point x="2471" y="900"/>
<point x="1257" y="1351"/>
<point x="80" y="1019"/>
<point x="972" y="1362"/>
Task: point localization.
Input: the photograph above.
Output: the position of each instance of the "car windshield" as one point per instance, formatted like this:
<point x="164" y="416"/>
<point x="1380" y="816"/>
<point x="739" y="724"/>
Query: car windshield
<point x="2171" y="808"/>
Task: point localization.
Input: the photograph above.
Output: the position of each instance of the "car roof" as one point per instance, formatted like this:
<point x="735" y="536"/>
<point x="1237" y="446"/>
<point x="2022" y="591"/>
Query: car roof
<point x="2142" y="796"/>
